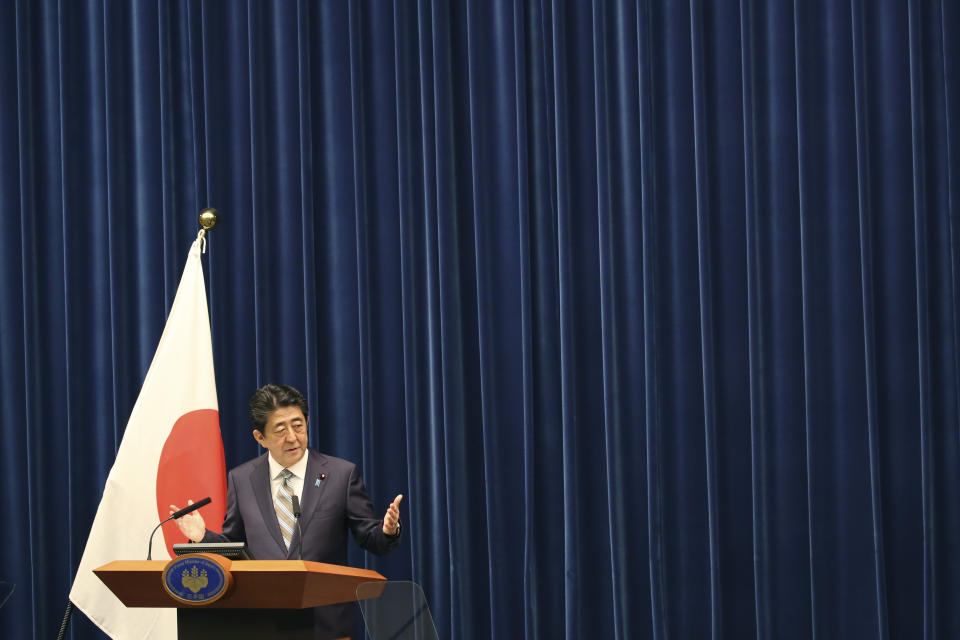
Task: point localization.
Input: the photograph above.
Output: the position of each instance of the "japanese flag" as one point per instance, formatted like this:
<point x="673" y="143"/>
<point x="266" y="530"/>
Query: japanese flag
<point x="171" y="452"/>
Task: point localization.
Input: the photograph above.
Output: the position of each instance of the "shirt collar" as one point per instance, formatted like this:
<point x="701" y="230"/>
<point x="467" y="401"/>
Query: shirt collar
<point x="298" y="468"/>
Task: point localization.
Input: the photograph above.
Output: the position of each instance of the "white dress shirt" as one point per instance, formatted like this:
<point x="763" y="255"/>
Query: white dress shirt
<point x="299" y="471"/>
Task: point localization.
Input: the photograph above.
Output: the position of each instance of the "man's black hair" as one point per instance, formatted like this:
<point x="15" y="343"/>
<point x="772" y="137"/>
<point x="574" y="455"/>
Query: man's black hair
<point x="271" y="397"/>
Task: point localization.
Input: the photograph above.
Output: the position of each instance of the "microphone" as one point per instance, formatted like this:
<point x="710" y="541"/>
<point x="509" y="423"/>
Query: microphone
<point x="176" y="516"/>
<point x="189" y="509"/>
<point x="296" y="514"/>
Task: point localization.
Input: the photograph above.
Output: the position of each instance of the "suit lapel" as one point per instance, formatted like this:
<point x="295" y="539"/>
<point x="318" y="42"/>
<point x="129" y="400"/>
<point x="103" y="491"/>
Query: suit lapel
<point x="260" y="484"/>
<point x="313" y="486"/>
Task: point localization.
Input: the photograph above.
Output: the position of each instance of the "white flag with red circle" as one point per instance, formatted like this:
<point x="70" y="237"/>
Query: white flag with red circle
<point x="171" y="452"/>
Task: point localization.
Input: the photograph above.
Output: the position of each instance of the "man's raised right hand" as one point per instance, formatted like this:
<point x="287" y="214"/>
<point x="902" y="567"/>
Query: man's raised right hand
<point x="190" y="525"/>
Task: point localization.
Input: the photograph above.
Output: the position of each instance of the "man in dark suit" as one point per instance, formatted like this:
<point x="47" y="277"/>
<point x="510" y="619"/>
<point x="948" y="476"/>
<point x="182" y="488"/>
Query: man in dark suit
<point x="330" y="491"/>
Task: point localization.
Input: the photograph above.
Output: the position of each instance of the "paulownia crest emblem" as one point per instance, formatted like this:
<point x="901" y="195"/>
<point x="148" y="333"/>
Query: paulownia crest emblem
<point x="194" y="579"/>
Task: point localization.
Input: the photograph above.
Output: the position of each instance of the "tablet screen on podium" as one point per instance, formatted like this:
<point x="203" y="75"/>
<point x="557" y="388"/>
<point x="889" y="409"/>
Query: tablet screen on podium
<point x="232" y="550"/>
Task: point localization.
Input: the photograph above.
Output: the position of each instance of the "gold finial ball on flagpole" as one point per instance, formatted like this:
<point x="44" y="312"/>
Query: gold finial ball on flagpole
<point x="208" y="218"/>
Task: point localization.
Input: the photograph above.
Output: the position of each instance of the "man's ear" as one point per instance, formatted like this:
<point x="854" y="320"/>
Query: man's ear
<point x="258" y="436"/>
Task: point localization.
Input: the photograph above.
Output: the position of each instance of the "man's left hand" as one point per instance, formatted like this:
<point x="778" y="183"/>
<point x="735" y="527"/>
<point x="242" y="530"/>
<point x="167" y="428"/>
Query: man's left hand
<point x="391" y="521"/>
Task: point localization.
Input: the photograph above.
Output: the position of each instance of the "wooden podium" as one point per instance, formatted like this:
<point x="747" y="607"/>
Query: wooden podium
<point x="268" y="598"/>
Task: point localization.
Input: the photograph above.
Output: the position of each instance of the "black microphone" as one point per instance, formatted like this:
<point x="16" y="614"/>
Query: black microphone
<point x="296" y="514"/>
<point x="176" y="516"/>
<point x="189" y="509"/>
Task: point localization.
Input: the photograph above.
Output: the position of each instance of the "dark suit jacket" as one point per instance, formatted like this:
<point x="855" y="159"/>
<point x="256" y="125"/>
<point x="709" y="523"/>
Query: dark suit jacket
<point x="333" y="501"/>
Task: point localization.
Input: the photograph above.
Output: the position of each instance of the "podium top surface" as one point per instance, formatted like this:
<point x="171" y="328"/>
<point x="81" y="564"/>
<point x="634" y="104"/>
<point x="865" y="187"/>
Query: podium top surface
<point x="257" y="584"/>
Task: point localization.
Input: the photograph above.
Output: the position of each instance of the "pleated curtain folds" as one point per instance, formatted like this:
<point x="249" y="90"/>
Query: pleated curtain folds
<point x="649" y="309"/>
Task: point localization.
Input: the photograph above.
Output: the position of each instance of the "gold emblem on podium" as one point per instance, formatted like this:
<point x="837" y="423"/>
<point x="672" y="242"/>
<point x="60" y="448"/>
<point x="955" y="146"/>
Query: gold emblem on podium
<point x="198" y="578"/>
<point x="193" y="579"/>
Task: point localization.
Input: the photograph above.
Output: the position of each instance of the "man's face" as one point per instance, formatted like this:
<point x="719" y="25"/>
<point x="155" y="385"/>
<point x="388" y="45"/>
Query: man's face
<point x="284" y="435"/>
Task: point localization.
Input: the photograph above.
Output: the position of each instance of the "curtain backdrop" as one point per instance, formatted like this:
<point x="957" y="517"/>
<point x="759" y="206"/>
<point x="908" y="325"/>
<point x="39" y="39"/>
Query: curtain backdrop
<point x="650" y="309"/>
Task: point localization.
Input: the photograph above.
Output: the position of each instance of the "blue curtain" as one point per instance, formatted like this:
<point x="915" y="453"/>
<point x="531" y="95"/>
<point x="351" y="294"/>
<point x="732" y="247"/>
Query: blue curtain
<point x="651" y="309"/>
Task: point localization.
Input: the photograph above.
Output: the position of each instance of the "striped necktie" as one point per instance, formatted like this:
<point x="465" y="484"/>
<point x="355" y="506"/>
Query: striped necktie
<point x="283" y="504"/>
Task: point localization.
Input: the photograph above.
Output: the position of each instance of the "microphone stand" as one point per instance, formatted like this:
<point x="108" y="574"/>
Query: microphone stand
<point x="296" y="514"/>
<point x="175" y="516"/>
<point x="150" y="544"/>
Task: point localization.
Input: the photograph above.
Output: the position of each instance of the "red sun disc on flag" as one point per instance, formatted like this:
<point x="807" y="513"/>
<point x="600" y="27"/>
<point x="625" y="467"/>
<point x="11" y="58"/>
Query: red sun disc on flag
<point x="192" y="467"/>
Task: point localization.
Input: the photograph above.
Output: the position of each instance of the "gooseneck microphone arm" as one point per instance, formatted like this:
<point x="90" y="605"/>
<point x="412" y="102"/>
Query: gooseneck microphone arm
<point x="296" y="515"/>
<point x="175" y="516"/>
